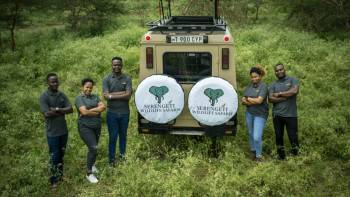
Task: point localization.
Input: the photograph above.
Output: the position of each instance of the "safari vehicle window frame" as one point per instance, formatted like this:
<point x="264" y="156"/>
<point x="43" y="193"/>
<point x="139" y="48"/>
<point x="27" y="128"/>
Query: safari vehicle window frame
<point x="186" y="79"/>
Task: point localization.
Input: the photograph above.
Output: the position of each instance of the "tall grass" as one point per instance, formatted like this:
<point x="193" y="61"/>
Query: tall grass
<point x="178" y="165"/>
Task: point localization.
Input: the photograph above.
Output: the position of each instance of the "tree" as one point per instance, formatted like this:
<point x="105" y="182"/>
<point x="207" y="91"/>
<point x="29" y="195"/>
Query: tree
<point x="91" y="16"/>
<point x="13" y="14"/>
<point x="10" y="17"/>
<point x="319" y="15"/>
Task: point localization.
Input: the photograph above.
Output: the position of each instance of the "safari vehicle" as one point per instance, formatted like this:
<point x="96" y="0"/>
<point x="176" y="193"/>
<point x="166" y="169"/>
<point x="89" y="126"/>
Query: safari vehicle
<point x="188" y="49"/>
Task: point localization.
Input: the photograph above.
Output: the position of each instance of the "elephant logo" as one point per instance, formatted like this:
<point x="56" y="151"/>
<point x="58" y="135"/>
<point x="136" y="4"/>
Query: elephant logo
<point x="213" y="95"/>
<point x="159" y="92"/>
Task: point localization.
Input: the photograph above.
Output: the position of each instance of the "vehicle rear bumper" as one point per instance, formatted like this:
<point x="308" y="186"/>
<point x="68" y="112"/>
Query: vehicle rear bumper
<point x="228" y="129"/>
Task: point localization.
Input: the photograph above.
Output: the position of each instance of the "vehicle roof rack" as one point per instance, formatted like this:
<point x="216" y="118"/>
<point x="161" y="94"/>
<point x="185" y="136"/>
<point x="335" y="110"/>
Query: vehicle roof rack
<point x="188" y="23"/>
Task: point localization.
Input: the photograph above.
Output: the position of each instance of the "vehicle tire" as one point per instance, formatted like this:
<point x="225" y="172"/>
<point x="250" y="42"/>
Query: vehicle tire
<point x="212" y="101"/>
<point x="159" y="98"/>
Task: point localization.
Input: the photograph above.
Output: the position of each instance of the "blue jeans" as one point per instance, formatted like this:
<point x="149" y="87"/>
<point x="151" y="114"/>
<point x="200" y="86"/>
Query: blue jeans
<point x="57" y="147"/>
<point x="117" y="125"/>
<point x="255" y="125"/>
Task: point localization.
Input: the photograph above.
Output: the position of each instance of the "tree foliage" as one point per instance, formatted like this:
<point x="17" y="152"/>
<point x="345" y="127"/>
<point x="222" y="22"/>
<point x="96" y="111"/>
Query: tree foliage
<point x="91" y="17"/>
<point x="11" y="16"/>
<point x="175" y="165"/>
<point x="319" y="15"/>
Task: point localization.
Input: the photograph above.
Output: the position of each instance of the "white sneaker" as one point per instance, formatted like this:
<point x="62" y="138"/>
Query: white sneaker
<point x="91" y="178"/>
<point x="94" y="169"/>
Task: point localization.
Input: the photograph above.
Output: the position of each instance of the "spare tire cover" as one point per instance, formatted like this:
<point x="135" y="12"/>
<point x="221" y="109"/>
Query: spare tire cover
<point x="159" y="98"/>
<point x="212" y="101"/>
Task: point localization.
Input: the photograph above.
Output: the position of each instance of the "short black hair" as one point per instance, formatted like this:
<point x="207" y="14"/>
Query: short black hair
<point x="279" y="63"/>
<point x="117" y="58"/>
<point x="85" y="80"/>
<point x="50" y="75"/>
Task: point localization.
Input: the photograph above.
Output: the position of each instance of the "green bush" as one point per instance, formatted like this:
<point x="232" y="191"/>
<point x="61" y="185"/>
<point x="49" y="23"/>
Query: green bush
<point x="178" y="165"/>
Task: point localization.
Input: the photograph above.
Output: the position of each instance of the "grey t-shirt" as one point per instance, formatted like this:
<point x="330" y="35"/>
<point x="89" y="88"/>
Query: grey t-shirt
<point x="55" y="126"/>
<point x="113" y="83"/>
<point x="287" y="108"/>
<point x="89" y="102"/>
<point x="261" y="110"/>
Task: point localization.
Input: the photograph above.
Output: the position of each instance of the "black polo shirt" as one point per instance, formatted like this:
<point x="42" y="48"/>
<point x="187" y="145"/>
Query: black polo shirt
<point x="55" y="126"/>
<point x="254" y="91"/>
<point x="89" y="101"/>
<point x="287" y="108"/>
<point x="114" y="83"/>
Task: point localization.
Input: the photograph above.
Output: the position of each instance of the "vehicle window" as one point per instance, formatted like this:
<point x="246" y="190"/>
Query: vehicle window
<point x="187" y="66"/>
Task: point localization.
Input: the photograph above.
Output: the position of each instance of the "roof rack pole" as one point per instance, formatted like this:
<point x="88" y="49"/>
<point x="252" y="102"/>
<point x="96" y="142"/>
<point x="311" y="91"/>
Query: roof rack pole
<point x="161" y="3"/>
<point x="216" y="8"/>
<point x="160" y="12"/>
<point x="169" y="8"/>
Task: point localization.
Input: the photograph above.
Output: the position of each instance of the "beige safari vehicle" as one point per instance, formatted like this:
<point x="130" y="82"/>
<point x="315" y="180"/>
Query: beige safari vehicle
<point x="188" y="48"/>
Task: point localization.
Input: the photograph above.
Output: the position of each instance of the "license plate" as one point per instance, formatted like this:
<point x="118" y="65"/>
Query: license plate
<point x="186" y="39"/>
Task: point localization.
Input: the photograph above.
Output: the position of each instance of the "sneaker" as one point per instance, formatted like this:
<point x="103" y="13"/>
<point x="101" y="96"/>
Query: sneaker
<point x="53" y="186"/>
<point x="94" y="169"/>
<point x="92" y="178"/>
<point x="259" y="159"/>
<point x="112" y="164"/>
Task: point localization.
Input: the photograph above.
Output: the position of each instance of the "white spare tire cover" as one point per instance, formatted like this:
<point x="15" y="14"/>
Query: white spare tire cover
<point x="213" y="101"/>
<point x="159" y="98"/>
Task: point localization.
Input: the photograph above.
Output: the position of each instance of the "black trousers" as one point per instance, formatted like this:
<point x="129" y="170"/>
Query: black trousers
<point x="57" y="147"/>
<point x="291" y="124"/>
<point x="91" y="137"/>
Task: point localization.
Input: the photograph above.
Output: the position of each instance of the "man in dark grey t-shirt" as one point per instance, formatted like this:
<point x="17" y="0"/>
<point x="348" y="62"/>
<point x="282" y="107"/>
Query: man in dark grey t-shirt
<point x="283" y="95"/>
<point x="117" y="90"/>
<point x="55" y="105"/>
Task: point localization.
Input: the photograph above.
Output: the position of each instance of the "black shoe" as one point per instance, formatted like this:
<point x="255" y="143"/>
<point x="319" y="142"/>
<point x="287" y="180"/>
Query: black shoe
<point x="259" y="159"/>
<point x="122" y="158"/>
<point x="53" y="186"/>
<point x="281" y="158"/>
<point x="252" y="155"/>
<point x="53" y="182"/>
<point x="281" y="153"/>
<point x="112" y="164"/>
<point x="295" y="151"/>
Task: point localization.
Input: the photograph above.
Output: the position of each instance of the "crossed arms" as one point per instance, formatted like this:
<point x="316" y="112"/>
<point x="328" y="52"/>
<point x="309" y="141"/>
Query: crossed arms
<point x="93" y="111"/>
<point x="122" y="95"/>
<point x="53" y="112"/>
<point x="282" y="96"/>
<point x="252" y="101"/>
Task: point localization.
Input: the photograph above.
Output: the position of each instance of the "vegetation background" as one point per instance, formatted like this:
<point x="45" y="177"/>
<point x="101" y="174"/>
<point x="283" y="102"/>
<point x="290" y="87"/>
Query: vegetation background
<point x="77" y="38"/>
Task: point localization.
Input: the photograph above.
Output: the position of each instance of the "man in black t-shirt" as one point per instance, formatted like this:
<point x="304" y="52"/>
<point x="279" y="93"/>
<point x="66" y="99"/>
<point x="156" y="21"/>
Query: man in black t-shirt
<point x="283" y="95"/>
<point x="117" y="90"/>
<point x="54" y="105"/>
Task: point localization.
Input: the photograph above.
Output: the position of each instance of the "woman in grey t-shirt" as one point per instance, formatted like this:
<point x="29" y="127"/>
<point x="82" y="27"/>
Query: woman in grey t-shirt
<point x="255" y="98"/>
<point x="89" y="108"/>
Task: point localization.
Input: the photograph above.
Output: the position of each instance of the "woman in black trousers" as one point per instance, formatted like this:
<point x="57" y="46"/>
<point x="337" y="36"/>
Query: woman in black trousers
<point x="89" y="124"/>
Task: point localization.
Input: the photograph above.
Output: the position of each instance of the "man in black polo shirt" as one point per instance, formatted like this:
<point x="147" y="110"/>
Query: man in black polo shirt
<point x="55" y="105"/>
<point x="283" y="95"/>
<point x="117" y="90"/>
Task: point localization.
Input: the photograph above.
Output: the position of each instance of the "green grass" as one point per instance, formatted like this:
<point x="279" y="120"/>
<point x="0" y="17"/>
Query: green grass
<point x="178" y="165"/>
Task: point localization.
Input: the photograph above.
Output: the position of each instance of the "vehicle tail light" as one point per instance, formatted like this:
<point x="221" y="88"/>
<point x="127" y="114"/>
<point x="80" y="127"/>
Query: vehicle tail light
<point x="225" y="60"/>
<point x="226" y="38"/>
<point x="149" y="57"/>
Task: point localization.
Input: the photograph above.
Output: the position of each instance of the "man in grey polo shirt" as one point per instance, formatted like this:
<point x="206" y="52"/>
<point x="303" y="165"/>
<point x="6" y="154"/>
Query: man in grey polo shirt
<point x="55" y="105"/>
<point x="117" y="90"/>
<point x="283" y="95"/>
